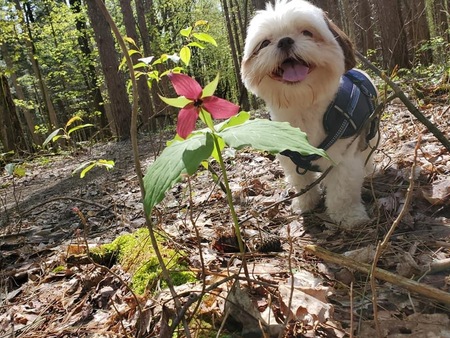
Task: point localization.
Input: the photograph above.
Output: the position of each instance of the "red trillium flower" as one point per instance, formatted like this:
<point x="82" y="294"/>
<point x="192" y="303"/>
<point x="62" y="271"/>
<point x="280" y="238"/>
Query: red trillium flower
<point x="197" y="100"/>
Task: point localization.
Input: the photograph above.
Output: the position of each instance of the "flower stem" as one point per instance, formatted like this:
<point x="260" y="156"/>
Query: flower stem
<point x="237" y="230"/>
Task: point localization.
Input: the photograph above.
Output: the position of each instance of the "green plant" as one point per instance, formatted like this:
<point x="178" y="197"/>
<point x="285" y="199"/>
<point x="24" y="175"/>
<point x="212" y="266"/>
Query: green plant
<point x="87" y="166"/>
<point x="191" y="148"/>
<point x="66" y="131"/>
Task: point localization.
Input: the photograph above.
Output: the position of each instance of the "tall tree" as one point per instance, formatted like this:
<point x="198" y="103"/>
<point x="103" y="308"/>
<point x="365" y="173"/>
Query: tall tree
<point x="394" y="45"/>
<point x="114" y="79"/>
<point x="91" y="80"/>
<point x="11" y="134"/>
<point x="28" y="16"/>
<point x="142" y="84"/>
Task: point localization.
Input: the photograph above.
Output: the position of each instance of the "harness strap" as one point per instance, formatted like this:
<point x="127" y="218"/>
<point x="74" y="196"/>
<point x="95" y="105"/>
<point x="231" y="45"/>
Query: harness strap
<point x="345" y="117"/>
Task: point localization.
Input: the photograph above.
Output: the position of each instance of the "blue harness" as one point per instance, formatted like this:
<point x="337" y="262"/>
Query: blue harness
<point x="349" y="112"/>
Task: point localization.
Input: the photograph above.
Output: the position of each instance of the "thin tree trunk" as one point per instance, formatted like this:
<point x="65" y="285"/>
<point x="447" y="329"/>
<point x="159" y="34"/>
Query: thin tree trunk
<point x="145" y="103"/>
<point x="114" y="79"/>
<point x="91" y="73"/>
<point x="31" y="49"/>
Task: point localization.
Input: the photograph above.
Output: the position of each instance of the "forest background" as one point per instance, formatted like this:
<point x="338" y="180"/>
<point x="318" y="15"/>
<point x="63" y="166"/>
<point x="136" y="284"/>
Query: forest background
<point x="59" y="59"/>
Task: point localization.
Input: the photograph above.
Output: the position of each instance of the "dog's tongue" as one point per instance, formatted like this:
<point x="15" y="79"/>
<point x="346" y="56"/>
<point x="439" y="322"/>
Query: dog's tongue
<point x="294" y="72"/>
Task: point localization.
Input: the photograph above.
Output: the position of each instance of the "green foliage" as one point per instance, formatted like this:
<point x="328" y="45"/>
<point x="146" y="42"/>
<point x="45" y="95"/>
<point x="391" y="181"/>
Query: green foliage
<point x="15" y="170"/>
<point x="85" y="167"/>
<point x="136" y="255"/>
<point x="185" y="156"/>
<point x="66" y="131"/>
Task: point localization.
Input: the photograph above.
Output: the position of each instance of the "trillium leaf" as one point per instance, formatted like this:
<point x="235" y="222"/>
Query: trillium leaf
<point x="271" y="136"/>
<point x="177" y="159"/>
<point x="235" y="120"/>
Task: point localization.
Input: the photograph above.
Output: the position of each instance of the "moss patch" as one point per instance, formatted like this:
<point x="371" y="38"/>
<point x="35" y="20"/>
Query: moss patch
<point x="136" y="255"/>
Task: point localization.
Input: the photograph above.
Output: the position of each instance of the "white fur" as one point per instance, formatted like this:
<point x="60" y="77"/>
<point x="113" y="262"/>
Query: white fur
<point x="304" y="103"/>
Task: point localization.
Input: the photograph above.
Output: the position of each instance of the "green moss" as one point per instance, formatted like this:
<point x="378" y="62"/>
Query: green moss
<point x="135" y="254"/>
<point x="59" y="268"/>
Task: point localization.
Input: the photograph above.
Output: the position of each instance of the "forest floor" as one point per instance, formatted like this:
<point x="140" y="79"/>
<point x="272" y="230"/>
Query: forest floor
<point x="323" y="297"/>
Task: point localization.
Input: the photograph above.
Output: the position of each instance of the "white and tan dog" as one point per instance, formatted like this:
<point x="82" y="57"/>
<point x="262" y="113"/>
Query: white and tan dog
<point x="294" y="59"/>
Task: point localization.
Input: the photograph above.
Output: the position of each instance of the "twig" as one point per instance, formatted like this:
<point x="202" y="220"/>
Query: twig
<point x="408" y="284"/>
<point x="383" y="245"/>
<point x="401" y="95"/>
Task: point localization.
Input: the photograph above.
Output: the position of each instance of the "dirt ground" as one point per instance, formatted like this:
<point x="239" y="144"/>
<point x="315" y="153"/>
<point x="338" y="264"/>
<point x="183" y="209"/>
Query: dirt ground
<point x="322" y="297"/>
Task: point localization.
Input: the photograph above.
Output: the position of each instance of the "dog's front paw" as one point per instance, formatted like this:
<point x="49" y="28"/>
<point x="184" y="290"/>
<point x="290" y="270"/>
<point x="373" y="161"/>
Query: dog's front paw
<point x="305" y="203"/>
<point x="355" y="217"/>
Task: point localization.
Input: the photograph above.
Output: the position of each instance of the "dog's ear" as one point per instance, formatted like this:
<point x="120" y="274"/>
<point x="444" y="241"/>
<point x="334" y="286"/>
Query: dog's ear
<point x="345" y="43"/>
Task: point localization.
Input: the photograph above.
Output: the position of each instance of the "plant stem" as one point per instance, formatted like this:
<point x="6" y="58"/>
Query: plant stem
<point x="237" y="230"/>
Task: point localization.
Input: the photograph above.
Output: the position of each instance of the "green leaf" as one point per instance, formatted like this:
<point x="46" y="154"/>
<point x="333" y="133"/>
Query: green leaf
<point x="81" y="126"/>
<point x="186" y="31"/>
<point x="85" y="170"/>
<point x="205" y="38"/>
<point x="200" y="23"/>
<point x="51" y="136"/>
<point x="108" y="164"/>
<point x="210" y="88"/>
<point x="10" y="168"/>
<point x="19" y="171"/>
<point x="185" y="55"/>
<point x="196" y="44"/>
<point x="73" y="119"/>
<point x="235" y="120"/>
<point x="206" y="117"/>
<point x="271" y="136"/>
<point x="178" y="102"/>
<point x="176" y="159"/>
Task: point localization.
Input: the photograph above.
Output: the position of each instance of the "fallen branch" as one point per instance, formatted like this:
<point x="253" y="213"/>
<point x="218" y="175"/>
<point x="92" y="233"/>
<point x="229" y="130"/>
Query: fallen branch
<point x="411" y="107"/>
<point x="408" y="284"/>
<point x="54" y="199"/>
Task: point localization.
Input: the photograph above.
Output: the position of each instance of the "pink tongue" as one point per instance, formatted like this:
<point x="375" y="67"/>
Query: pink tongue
<point x="294" y="72"/>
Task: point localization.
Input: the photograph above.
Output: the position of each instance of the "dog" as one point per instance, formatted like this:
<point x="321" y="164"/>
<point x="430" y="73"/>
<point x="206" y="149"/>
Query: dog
<point x="295" y="59"/>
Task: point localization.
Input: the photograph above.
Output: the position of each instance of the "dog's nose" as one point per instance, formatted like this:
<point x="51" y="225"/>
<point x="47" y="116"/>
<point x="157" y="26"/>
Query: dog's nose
<point x="285" y="43"/>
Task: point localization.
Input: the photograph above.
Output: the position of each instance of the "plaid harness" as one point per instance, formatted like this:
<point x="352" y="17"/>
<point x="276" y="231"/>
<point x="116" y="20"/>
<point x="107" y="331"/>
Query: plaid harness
<point x="349" y="112"/>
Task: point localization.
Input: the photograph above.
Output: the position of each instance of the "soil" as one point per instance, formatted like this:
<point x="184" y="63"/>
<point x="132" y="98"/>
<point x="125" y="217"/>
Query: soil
<point x="42" y="218"/>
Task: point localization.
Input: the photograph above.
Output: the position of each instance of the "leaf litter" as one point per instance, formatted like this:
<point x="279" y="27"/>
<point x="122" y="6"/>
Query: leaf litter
<point x="45" y="293"/>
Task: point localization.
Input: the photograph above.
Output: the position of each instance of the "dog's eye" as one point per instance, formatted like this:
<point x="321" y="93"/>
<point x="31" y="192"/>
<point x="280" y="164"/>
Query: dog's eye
<point x="307" y="33"/>
<point x="264" y="44"/>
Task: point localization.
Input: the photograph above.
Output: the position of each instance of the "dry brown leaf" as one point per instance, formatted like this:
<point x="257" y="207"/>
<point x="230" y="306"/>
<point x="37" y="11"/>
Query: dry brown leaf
<point x="438" y="193"/>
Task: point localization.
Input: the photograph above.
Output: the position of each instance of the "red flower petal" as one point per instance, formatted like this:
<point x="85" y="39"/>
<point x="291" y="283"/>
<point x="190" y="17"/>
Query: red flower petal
<point x="186" y="120"/>
<point x="186" y="86"/>
<point x="220" y="108"/>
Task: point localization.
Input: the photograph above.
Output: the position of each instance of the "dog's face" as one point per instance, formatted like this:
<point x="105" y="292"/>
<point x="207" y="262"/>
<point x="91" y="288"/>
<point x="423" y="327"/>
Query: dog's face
<point x="292" y="48"/>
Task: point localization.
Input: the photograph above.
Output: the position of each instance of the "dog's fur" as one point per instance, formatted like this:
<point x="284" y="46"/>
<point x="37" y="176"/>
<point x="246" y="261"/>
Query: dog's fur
<point x="306" y="34"/>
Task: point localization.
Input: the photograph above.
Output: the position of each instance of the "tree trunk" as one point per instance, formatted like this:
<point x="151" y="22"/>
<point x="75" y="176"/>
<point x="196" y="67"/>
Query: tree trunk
<point x="91" y="74"/>
<point x="31" y="49"/>
<point x="114" y="79"/>
<point x="243" y="101"/>
<point x="145" y="103"/>
<point x="11" y="133"/>
<point x="392" y="33"/>
<point x="27" y="114"/>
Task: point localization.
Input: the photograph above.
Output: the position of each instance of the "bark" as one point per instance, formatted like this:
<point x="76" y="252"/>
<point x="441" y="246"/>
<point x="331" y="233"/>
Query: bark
<point x="31" y="50"/>
<point x="91" y="74"/>
<point x="243" y="101"/>
<point x="11" y="134"/>
<point x="114" y="79"/>
<point x="145" y="103"/>
<point x="393" y="37"/>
